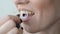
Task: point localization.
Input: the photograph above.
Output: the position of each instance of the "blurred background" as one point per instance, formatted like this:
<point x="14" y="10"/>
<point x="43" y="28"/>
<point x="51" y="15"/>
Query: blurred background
<point x="7" y="7"/>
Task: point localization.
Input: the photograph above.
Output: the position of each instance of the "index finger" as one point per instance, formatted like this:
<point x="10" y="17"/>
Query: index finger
<point x="3" y="20"/>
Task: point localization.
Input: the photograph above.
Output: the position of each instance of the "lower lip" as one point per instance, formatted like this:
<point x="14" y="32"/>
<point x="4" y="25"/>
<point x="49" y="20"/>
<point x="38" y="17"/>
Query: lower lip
<point x="27" y="19"/>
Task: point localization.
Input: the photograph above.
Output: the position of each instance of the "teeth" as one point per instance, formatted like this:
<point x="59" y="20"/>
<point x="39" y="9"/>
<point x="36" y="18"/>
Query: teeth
<point x="25" y="14"/>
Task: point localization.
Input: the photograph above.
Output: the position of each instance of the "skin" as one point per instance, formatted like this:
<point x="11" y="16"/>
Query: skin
<point x="8" y="24"/>
<point x="45" y="21"/>
<point x="45" y="15"/>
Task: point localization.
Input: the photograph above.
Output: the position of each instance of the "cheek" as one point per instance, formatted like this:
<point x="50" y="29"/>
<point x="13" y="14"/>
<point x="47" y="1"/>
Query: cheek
<point x="48" y="19"/>
<point x="39" y="3"/>
<point x="36" y="3"/>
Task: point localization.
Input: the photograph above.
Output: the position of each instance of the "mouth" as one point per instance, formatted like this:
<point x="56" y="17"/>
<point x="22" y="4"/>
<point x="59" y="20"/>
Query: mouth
<point x="25" y="14"/>
<point x="30" y="12"/>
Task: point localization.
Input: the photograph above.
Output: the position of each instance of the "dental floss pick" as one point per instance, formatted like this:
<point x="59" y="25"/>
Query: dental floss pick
<point x="23" y="15"/>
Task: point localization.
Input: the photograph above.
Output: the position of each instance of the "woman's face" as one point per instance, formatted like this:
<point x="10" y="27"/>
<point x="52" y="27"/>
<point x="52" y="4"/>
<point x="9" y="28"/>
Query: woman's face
<point x="44" y="14"/>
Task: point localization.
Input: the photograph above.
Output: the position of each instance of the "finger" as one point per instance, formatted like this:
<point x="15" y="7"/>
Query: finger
<point x="13" y="31"/>
<point x="3" y="20"/>
<point x="7" y="26"/>
<point x="14" y="18"/>
<point x="20" y="31"/>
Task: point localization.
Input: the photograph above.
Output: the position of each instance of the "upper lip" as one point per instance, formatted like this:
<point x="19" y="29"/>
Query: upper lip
<point x="25" y="10"/>
<point x="22" y="2"/>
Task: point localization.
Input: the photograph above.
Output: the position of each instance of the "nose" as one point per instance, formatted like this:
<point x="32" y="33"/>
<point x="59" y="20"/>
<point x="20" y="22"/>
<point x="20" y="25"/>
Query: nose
<point x="22" y="1"/>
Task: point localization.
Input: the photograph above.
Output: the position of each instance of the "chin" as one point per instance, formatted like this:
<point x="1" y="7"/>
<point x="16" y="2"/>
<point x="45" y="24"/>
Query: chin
<point x="33" y="31"/>
<point x="29" y="29"/>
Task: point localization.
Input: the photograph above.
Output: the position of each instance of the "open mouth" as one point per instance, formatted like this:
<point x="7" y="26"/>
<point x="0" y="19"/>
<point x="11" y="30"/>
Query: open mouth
<point x="26" y="14"/>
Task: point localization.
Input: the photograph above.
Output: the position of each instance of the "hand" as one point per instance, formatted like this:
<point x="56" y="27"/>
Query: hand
<point x="8" y="25"/>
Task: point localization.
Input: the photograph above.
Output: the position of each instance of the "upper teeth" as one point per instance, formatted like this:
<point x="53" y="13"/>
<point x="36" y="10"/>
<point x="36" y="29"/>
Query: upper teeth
<point x="25" y="14"/>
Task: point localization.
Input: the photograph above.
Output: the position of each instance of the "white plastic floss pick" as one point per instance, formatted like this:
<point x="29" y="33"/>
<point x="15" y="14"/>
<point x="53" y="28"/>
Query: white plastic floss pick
<point x="23" y="14"/>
